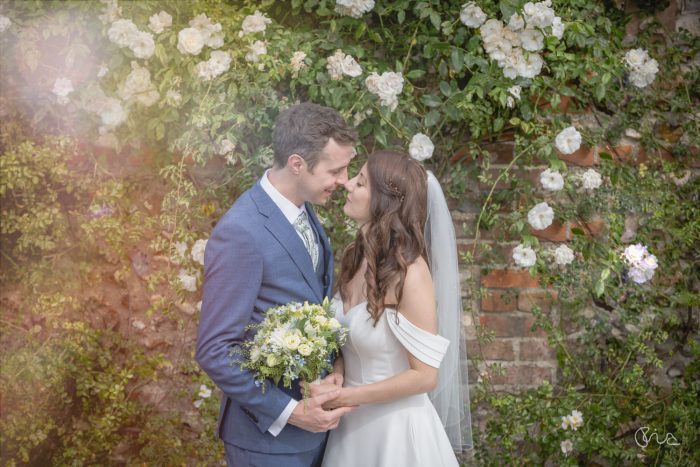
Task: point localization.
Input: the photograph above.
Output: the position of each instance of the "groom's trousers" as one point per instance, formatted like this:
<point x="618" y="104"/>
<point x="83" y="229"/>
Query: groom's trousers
<point x="239" y="457"/>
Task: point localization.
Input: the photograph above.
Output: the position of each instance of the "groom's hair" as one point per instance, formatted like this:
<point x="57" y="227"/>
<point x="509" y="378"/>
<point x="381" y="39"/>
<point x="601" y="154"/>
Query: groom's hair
<point x="305" y="129"/>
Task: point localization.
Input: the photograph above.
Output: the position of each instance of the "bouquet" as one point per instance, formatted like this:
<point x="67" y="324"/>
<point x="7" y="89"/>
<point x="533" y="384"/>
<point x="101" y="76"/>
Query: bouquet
<point x="293" y="341"/>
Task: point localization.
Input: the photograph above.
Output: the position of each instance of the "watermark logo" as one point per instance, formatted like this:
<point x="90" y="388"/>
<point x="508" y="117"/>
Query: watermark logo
<point x="643" y="438"/>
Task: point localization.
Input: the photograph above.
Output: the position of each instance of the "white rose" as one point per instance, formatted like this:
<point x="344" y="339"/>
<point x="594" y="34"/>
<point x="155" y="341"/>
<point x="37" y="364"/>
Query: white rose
<point x="333" y="323"/>
<point x="218" y="63"/>
<point x="142" y="45"/>
<point x="541" y="216"/>
<point x="532" y="40"/>
<point x="292" y="341"/>
<point x="111" y="13"/>
<point x="635" y="58"/>
<point x="591" y="179"/>
<point x="531" y="66"/>
<point x="4" y="23"/>
<point x="122" y="32"/>
<point x="557" y="28"/>
<point x="62" y="87"/>
<point x="190" y="41"/>
<point x="340" y="64"/>
<point x="272" y="360"/>
<point x="173" y="97"/>
<point x="204" y="392"/>
<point x="516" y="22"/>
<point x="635" y="253"/>
<point x="491" y="28"/>
<point x="524" y="257"/>
<point x="226" y="146"/>
<point x="566" y="446"/>
<point x="538" y="15"/>
<point x="256" y="49"/>
<point x="197" y="252"/>
<point x="256" y="22"/>
<point x="386" y="86"/>
<point x="112" y="112"/>
<point x="563" y="255"/>
<point x="421" y="148"/>
<point x="138" y="86"/>
<point x="515" y="91"/>
<point x="102" y="71"/>
<point x="575" y="420"/>
<point x="568" y="141"/>
<point x="472" y="15"/>
<point x="297" y="60"/>
<point x="551" y="180"/>
<point x="187" y="280"/>
<point x="304" y="349"/>
<point x="160" y="22"/>
<point x="354" y="8"/>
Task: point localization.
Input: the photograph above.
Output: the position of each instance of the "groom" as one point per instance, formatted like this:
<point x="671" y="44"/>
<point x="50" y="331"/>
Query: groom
<point x="270" y="249"/>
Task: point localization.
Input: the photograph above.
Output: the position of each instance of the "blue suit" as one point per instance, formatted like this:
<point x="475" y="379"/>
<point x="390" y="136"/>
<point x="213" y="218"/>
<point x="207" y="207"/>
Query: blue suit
<point x="255" y="260"/>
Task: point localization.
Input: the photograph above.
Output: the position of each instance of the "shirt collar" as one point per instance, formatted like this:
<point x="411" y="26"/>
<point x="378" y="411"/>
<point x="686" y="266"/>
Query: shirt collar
<point x="290" y="210"/>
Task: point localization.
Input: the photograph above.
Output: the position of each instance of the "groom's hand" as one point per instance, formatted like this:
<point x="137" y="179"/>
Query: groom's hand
<point x="310" y="416"/>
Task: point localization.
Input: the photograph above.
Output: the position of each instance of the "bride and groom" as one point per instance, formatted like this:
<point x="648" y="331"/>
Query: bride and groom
<point x="270" y="249"/>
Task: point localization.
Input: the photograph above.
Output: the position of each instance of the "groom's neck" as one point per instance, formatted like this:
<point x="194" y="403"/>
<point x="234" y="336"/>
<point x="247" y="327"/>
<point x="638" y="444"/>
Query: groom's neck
<point x="286" y="183"/>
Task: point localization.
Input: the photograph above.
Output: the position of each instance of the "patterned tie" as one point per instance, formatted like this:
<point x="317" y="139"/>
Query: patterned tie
<point x="301" y="224"/>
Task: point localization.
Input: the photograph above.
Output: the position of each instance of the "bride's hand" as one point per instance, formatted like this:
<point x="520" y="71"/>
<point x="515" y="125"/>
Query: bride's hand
<point x="316" y="389"/>
<point x="343" y="399"/>
<point x="335" y="379"/>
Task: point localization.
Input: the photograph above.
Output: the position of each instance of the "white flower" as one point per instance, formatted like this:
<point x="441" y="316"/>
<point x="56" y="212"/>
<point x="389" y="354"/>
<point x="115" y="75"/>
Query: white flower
<point x="340" y="64"/>
<point x="524" y="257"/>
<point x="256" y="22"/>
<point x="532" y="40"/>
<point x="190" y="41"/>
<point x="138" y="86"/>
<point x="304" y="349"/>
<point x="112" y="11"/>
<point x="557" y="28"/>
<point x="197" y="252"/>
<point x="551" y="180"/>
<point x="297" y="60"/>
<point x="256" y="49"/>
<point x="271" y="360"/>
<point x="204" y="392"/>
<point x="541" y="216"/>
<point x="122" y="32"/>
<point x="62" y="87"/>
<point x="138" y="324"/>
<point x="472" y="15"/>
<point x="333" y="323"/>
<point x="292" y="341"/>
<point x="516" y="22"/>
<point x="515" y="91"/>
<point x="568" y="141"/>
<point x="102" y="71"/>
<point x="591" y="179"/>
<point x="566" y="446"/>
<point x="563" y="255"/>
<point x="219" y="62"/>
<point x="642" y="263"/>
<point x="198" y="403"/>
<point x="173" y="97"/>
<point x="575" y="420"/>
<point x="180" y="249"/>
<point x="112" y="112"/>
<point x="210" y="32"/>
<point x="421" y="148"/>
<point x="386" y="86"/>
<point x="643" y="69"/>
<point x="354" y="8"/>
<point x="531" y="66"/>
<point x="634" y="254"/>
<point x="187" y="280"/>
<point x="4" y="23"/>
<point x="142" y="45"/>
<point x="226" y="146"/>
<point x="538" y="15"/>
<point x="510" y="102"/>
<point x="160" y="22"/>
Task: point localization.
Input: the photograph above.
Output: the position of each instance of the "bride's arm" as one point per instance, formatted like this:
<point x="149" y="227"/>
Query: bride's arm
<point x="418" y="306"/>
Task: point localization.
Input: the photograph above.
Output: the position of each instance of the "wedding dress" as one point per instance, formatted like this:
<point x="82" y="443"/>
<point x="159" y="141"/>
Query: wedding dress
<point x="404" y="432"/>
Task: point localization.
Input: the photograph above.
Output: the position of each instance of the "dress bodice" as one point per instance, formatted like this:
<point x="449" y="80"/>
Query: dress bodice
<point x="375" y="353"/>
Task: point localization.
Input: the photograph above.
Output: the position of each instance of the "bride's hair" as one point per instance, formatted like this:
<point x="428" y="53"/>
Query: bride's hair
<point x="394" y="238"/>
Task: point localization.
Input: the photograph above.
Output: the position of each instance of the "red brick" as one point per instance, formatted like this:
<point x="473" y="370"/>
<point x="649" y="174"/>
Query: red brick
<point x="486" y="251"/>
<point x="533" y="175"/>
<point x="694" y="156"/>
<point x="544" y="298"/>
<point x="494" y="350"/>
<point x="501" y="152"/>
<point x="498" y="301"/>
<point x="510" y="326"/>
<point x="536" y="350"/>
<point x="556" y="232"/>
<point x="526" y="375"/>
<point x="584" y="157"/>
<point x="592" y="227"/>
<point x="622" y="152"/>
<point x="509" y="279"/>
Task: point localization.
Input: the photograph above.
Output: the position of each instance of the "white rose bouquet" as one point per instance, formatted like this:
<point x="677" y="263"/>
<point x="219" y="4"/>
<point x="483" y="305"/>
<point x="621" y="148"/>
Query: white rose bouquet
<point x="293" y="341"/>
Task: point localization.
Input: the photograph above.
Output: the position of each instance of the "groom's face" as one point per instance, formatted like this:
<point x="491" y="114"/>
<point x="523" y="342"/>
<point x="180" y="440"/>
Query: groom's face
<point x="330" y="171"/>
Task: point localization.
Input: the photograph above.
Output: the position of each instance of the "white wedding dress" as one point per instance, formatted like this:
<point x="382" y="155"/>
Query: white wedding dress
<point x="404" y="432"/>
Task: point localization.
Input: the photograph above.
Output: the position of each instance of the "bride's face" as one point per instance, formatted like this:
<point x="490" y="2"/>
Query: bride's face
<point x="357" y="203"/>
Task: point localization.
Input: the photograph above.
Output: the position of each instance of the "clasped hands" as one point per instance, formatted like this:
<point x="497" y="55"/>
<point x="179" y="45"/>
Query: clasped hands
<point x="323" y="406"/>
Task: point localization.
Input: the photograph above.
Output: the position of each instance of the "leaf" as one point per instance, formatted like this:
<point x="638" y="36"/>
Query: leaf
<point x="457" y="60"/>
<point x="577" y="231"/>
<point x="497" y="124"/>
<point x="445" y="88"/>
<point x="431" y="100"/>
<point x="435" y="19"/>
<point x="605" y="155"/>
<point x="401" y="16"/>
<point x="431" y="118"/>
<point x="361" y="28"/>
<point x="415" y="74"/>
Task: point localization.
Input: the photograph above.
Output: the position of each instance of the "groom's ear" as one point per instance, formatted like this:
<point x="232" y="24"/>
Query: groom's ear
<point x="295" y="163"/>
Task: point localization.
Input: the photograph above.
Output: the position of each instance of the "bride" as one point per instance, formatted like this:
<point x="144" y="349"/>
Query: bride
<point x="400" y="346"/>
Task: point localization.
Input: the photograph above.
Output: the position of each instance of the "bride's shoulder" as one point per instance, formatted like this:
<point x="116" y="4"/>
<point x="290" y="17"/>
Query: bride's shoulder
<point x="418" y="301"/>
<point x="418" y="275"/>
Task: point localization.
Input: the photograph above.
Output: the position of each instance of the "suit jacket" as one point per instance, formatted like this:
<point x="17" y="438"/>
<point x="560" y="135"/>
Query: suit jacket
<point x="255" y="260"/>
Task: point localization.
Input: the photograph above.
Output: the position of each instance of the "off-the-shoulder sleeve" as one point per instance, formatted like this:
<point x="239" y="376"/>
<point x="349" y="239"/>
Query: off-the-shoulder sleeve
<point x="426" y="347"/>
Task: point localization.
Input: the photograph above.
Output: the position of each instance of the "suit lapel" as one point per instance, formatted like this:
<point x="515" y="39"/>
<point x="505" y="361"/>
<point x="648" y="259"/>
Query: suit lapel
<point x="327" y="252"/>
<point x="285" y="234"/>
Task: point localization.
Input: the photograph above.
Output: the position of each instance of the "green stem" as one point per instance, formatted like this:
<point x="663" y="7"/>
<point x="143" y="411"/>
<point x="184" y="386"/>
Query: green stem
<point x="410" y="46"/>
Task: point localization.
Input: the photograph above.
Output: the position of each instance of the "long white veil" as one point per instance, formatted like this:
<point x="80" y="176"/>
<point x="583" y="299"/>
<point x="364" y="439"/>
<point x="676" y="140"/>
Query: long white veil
<point x="451" y="396"/>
